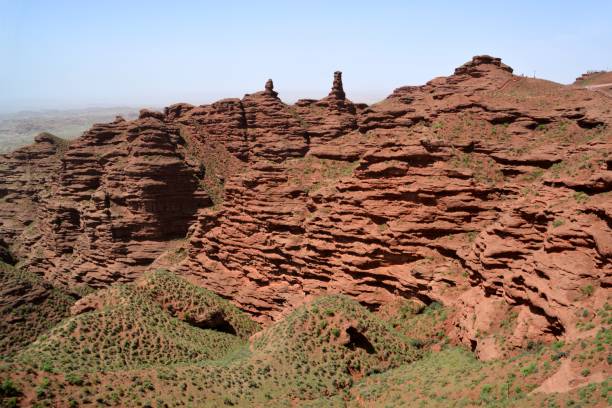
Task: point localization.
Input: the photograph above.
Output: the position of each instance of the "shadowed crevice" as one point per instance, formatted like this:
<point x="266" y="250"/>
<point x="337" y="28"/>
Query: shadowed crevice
<point x="358" y="340"/>
<point x="216" y="321"/>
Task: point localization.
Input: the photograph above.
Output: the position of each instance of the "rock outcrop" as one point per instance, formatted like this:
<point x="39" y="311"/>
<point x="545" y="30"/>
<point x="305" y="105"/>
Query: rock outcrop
<point x="111" y="202"/>
<point x="337" y="90"/>
<point x="486" y="191"/>
<point x="401" y="204"/>
<point x="26" y="176"/>
<point x="269" y="89"/>
<point x="598" y="81"/>
<point x="328" y="118"/>
<point x="548" y="258"/>
<point x="474" y="66"/>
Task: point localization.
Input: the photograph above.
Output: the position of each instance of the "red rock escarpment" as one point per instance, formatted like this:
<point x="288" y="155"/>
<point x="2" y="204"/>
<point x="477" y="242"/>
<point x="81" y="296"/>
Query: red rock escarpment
<point x="25" y="178"/>
<point x="452" y="191"/>
<point x="394" y="209"/>
<point x="123" y="190"/>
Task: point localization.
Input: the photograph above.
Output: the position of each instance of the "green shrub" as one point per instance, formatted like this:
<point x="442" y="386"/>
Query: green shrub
<point x="558" y="222"/>
<point x="9" y="389"/>
<point x="9" y="402"/>
<point x="74" y="379"/>
<point x="530" y="369"/>
<point x="581" y="197"/>
<point x="558" y="356"/>
<point x="47" y="367"/>
<point x="486" y="391"/>
<point x="587" y="290"/>
<point x="558" y="345"/>
<point x="416" y="343"/>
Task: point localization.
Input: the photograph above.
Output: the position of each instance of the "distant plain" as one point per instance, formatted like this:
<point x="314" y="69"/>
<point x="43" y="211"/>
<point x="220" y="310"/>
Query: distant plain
<point x="19" y="129"/>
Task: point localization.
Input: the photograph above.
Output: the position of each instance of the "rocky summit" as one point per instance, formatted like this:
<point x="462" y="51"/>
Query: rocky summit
<point x="468" y="219"/>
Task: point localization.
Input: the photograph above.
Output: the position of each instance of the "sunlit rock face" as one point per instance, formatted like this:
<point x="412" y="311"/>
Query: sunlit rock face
<point x="485" y="191"/>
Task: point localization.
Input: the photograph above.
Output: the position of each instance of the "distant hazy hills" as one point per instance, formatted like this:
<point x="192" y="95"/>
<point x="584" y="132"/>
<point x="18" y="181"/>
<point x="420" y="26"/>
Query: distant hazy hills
<point x="19" y="129"/>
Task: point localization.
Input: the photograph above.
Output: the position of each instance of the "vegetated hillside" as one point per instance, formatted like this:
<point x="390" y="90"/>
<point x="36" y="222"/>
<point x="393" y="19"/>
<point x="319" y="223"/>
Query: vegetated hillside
<point x="20" y="129"/>
<point x="29" y="306"/>
<point x="125" y="347"/>
<point x="484" y="192"/>
<point x="128" y="336"/>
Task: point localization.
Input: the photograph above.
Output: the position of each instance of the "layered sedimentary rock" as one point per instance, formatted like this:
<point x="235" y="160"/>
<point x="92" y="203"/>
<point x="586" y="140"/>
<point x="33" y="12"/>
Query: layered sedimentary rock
<point x="483" y="190"/>
<point x="119" y="192"/>
<point x="548" y="257"/>
<point x="330" y="117"/>
<point x="26" y="176"/>
<point x="401" y="199"/>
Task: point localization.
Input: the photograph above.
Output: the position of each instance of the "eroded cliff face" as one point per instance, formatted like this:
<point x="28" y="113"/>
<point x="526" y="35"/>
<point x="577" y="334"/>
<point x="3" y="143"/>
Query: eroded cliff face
<point x="452" y="192"/>
<point x="109" y="205"/>
<point x="25" y="178"/>
<point x="483" y="190"/>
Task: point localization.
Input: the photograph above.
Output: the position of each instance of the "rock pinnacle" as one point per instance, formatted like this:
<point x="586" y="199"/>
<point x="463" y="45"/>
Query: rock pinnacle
<point x="269" y="88"/>
<point x="337" y="91"/>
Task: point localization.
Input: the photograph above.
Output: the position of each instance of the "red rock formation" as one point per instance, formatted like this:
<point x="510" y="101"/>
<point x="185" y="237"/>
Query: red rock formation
<point x="123" y="190"/>
<point x="474" y="67"/>
<point x="450" y="191"/>
<point x="269" y="89"/>
<point x="547" y="256"/>
<point x="598" y="81"/>
<point x="274" y="134"/>
<point x="392" y="210"/>
<point x="329" y="117"/>
<point x="25" y="179"/>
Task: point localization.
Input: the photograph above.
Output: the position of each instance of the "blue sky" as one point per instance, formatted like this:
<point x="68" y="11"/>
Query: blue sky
<point x="67" y="54"/>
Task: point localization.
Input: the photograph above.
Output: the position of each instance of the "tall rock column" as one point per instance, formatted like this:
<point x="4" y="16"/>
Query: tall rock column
<point x="337" y="90"/>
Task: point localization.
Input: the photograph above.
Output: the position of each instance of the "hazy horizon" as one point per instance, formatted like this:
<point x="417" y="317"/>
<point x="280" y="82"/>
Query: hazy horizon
<point x="71" y="55"/>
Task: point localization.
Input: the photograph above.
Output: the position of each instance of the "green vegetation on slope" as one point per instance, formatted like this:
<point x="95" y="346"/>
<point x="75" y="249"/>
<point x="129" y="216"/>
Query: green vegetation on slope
<point x="423" y="325"/>
<point x="328" y="344"/>
<point x="149" y="323"/>
<point x="134" y="347"/>
<point x="144" y="345"/>
<point x="29" y="306"/>
<point x="135" y="332"/>
<point x="193" y="304"/>
<point x="453" y="377"/>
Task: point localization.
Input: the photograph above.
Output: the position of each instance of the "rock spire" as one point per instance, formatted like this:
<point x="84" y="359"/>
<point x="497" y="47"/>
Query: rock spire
<point x="269" y="88"/>
<point x="337" y="91"/>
